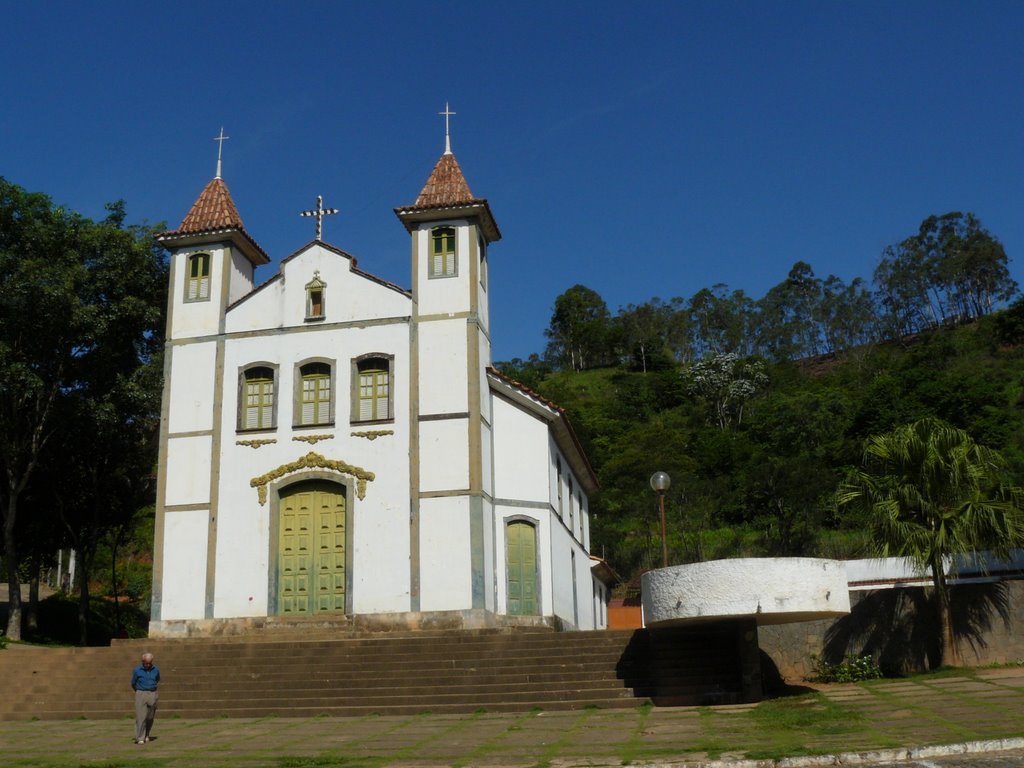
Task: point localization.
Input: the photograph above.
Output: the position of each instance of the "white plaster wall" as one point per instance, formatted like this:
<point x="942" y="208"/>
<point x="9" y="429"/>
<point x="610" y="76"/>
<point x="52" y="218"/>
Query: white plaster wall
<point x="485" y="390"/>
<point x="443" y="384"/>
<point x="487" y="459"/>
<point x="184" y="584"/>
<point x="242" y="272"/>
<point x="264" y="309"/>
<point x="192" y="384"/>
<point x="197" y="318"/>
<point x="483" y="293"/>
<point x="561" y="571"/>
<point x="599" y="606"/>
<point x="503" y="514"/>
<point x="241" y="583"/>
<point x="445" y="558"/>
<point x="490" y="599"/>
<point x="379" y="556"/>
<point x="444" y="460"/>
<point x="440" y="296"/>
<point x="772" y="590"/>
<point x="188" y="470"/>
<point x="380" y="530"/>
<point x="349" y="296"/>
<point x="521" y="457"/>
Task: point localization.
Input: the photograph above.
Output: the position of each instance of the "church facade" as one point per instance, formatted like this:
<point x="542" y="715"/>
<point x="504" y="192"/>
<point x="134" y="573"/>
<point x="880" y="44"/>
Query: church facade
<point x="336" y="447"/>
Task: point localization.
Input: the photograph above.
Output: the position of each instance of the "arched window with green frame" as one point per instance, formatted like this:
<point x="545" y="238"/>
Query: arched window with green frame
<point x="372" y="396"/>
<point x="257" y="398"/>
<point x="197" y="283"/>
<point x="315" y="394"/>
<point x="443" y="261"/>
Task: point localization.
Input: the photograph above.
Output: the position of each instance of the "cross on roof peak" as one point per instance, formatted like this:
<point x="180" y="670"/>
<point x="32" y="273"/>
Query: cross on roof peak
<point x="447" y="135"/>
<point x="319" y="212"/>
<point x="220" y="146"/>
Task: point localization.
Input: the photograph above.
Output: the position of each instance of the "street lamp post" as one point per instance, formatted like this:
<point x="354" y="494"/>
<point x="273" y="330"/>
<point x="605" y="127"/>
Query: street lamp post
<point x="660" y="482"/>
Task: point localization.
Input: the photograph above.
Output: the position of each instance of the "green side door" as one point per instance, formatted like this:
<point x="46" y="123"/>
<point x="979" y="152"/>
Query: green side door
<point x="521" y="559"/>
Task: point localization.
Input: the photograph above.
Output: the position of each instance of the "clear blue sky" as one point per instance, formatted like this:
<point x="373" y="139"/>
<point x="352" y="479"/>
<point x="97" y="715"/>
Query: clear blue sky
<point x="642" y="149"/>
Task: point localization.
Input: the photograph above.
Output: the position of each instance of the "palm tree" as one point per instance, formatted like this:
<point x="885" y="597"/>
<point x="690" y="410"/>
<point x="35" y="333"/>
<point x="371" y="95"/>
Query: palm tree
<point x="930" y="492"/>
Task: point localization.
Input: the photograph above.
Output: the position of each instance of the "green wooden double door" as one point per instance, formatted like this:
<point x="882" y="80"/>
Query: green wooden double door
<point x="312" y="549"/>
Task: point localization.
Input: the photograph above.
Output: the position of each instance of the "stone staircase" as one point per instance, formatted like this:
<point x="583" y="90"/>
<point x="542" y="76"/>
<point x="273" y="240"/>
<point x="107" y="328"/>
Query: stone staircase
<point x="399" y="673"/>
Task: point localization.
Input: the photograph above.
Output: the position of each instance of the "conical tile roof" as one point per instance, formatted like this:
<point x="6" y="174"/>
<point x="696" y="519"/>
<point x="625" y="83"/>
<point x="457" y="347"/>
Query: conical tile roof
<point x="445" y="186"/>
<point x="447" y="189"/>
<point x="213" y="209"/>
<point x="213" y="216"/>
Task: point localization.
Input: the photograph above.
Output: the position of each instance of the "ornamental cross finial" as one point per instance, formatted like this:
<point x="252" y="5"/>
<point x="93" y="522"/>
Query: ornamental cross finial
<point x="220" y="146"/>
<point x="319" y="212"/>
<point x="447" y="136"/>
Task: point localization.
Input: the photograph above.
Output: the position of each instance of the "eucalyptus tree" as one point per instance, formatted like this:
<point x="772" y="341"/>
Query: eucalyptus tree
<point x="788" y="329"/>
<point x="967" y="265"/>
<point x="953" y="269"/>
<point x="654" y="330"/>
<point x="722" y="322"/>
<point x="846" y="314"/>
<point x="930" y="493"/>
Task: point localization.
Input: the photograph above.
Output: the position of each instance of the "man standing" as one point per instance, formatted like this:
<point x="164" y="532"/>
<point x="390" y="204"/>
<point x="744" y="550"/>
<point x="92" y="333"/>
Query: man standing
<point x="145" y="679"/>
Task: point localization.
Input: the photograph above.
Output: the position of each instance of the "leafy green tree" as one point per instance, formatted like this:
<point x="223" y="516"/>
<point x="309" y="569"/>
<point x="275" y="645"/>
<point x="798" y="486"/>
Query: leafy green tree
<point x="931" y="493"/>
<point x="80" y="310"/>
<point x="580" y="331"/>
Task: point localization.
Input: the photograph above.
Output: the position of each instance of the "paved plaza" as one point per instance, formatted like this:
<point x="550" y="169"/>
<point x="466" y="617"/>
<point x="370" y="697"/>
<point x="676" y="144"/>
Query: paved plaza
<point x="982" y="714"/>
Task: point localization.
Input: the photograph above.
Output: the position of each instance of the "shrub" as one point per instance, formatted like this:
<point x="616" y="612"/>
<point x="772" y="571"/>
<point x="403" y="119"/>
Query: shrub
<point x="852" y="669"/>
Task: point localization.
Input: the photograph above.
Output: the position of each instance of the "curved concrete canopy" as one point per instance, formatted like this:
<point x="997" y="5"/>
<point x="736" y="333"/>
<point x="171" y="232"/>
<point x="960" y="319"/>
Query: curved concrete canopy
<point x="770" y="590"/>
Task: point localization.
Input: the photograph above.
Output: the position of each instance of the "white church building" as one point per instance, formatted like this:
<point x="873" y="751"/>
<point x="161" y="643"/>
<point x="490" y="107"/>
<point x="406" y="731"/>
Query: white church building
<point x="334" y="447"/>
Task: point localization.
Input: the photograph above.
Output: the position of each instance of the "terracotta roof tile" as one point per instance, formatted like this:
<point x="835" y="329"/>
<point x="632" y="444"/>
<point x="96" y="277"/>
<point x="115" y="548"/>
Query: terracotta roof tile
<point x="526" y="390"/>
<point x="447" y="190"/>
<point x="445" y="186"/>
<point x="213" y="209"/>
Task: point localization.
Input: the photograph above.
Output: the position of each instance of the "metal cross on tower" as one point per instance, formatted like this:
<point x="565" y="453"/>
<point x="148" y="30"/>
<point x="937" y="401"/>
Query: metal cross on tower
<point x="447" y="137"/>
<point x="220" y="146"/>
<point x="319" y="212"/>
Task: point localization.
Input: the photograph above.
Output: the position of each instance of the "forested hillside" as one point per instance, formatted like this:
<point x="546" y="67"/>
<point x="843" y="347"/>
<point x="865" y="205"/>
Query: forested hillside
<point x="758" y="409"/>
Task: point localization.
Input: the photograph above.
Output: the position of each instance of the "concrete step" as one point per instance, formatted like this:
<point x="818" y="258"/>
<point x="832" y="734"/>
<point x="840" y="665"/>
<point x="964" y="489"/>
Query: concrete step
<point x="396" y="673"/>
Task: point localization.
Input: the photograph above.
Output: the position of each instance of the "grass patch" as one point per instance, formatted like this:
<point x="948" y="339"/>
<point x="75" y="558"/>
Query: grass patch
<point x="329" y="761"/>
<point x="812" y="713"/>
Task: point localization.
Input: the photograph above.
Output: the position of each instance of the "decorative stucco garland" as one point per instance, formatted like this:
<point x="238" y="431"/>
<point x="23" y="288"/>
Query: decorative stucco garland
<point x="254" y="444"/>
<point x="312" y="461"/>
<point x="373" y="435"/>
<point x="311" y="439"/>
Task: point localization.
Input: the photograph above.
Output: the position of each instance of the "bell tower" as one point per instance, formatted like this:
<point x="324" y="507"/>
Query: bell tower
<point x="213" y="262"/>
<point x="450" y="460"/>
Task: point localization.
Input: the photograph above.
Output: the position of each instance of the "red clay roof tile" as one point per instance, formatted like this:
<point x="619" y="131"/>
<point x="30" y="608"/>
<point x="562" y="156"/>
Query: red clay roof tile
<point x="213" y="209"/>
<point x="445" y="186"/>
